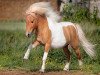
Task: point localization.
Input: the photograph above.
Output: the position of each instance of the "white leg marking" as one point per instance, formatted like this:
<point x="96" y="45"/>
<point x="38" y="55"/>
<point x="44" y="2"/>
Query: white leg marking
<point x="26" y="56"/>
<point x="43" y="61"/>
<point x="80" y="62"/>
<point x="66" y="68"/>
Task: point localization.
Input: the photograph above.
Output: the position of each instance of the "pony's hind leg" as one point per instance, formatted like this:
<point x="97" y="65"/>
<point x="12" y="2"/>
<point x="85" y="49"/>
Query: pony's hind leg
<point x="77" y="51"/>
<point x="74" y="42"/>
<point x="68" y="55"/>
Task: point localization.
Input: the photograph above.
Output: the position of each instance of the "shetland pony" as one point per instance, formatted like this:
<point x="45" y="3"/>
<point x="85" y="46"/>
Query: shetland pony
<point x="41" y="18"/>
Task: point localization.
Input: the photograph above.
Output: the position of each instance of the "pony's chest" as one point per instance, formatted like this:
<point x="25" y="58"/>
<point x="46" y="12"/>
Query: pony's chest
<point x="57" y="36"/>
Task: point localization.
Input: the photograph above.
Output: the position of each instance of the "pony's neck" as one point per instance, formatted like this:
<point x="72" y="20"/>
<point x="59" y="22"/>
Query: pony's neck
<point x="42" y="23"/>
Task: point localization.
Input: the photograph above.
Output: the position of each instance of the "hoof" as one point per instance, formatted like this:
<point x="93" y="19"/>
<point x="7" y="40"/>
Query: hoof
<point x="41" y="70"/>
<point x="25" y="58"/>
<point x="81" y="68"/>
<point x="65" y="69"/>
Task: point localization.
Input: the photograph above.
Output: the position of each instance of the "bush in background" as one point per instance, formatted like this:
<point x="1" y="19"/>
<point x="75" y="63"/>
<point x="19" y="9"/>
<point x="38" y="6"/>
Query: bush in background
<point x="74" y="12"/>
<point x="77" y="13"/>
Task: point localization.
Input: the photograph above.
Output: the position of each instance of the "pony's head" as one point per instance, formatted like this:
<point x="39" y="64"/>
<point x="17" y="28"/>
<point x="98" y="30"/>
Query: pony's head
<point x="41" y="8"/>
<point x="31" y="23"/>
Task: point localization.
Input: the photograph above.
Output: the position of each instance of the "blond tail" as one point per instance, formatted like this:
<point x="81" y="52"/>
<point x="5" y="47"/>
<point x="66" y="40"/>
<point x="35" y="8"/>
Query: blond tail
<point x="87" y="46"/>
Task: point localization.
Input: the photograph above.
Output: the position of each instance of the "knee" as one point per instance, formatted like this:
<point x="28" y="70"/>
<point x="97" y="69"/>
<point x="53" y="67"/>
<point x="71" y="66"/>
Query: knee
<point x="31" y="46"/>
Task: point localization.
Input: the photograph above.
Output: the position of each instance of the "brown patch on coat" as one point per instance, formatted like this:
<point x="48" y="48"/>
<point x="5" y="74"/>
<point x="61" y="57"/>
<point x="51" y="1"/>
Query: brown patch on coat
<point x="72" y="39"/>
<point x="71" y="35"/>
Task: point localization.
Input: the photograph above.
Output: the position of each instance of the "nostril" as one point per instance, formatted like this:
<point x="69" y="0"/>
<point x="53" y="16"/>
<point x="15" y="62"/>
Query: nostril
<point x="28" y="35"/>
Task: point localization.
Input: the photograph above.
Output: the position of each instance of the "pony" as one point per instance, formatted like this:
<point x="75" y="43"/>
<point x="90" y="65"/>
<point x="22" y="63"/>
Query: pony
<point x="41" y="18"/>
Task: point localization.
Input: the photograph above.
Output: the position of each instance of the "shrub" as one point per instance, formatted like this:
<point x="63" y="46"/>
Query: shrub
<point x="74" y="13"/>
<point x="77" y="13"/>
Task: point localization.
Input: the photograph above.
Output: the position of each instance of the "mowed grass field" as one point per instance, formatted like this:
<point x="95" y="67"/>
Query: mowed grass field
<point x="14" y="43"/>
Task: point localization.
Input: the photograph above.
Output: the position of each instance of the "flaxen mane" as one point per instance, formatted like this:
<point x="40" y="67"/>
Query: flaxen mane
<point x="43" y="8"/>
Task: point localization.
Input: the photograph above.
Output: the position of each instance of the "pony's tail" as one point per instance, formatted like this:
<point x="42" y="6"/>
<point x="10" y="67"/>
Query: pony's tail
<point x="87" y="46"/>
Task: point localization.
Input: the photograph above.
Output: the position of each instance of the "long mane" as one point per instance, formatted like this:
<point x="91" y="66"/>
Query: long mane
<point x="43" y="8"/>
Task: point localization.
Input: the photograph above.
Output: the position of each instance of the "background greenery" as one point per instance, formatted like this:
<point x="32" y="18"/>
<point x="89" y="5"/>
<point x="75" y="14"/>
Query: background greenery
<point x="13" y="45"/>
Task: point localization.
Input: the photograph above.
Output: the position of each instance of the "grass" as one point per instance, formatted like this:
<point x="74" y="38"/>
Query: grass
<point x="13" y="44"/>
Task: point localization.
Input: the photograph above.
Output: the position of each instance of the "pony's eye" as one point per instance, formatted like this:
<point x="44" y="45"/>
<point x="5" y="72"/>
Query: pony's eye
<point x="31" y="21"/>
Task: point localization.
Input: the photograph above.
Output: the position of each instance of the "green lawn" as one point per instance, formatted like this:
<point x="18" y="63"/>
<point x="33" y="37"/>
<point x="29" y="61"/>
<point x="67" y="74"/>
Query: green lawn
<point x="13" y="44"/>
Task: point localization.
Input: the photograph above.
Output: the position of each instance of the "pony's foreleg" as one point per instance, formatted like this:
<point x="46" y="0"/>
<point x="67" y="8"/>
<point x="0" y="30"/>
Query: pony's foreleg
<point x="47" y="47"/>
<point x="26" y="56"/>
<point x="67" y="53"/>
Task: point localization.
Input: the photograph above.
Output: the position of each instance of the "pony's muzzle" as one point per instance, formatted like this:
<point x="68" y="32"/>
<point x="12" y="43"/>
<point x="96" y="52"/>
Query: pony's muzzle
<point x="28" y="34"/>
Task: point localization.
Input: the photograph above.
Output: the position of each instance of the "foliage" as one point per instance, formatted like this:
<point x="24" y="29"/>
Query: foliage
<point x="74" y="13"/>
<point x="94" y="16"/>
<point x="77" y="13"/>
<point x="14" y="44"/>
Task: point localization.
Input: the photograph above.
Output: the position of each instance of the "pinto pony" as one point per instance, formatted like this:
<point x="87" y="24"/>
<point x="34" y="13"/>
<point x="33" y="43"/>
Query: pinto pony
<point x="53" y="34"/>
